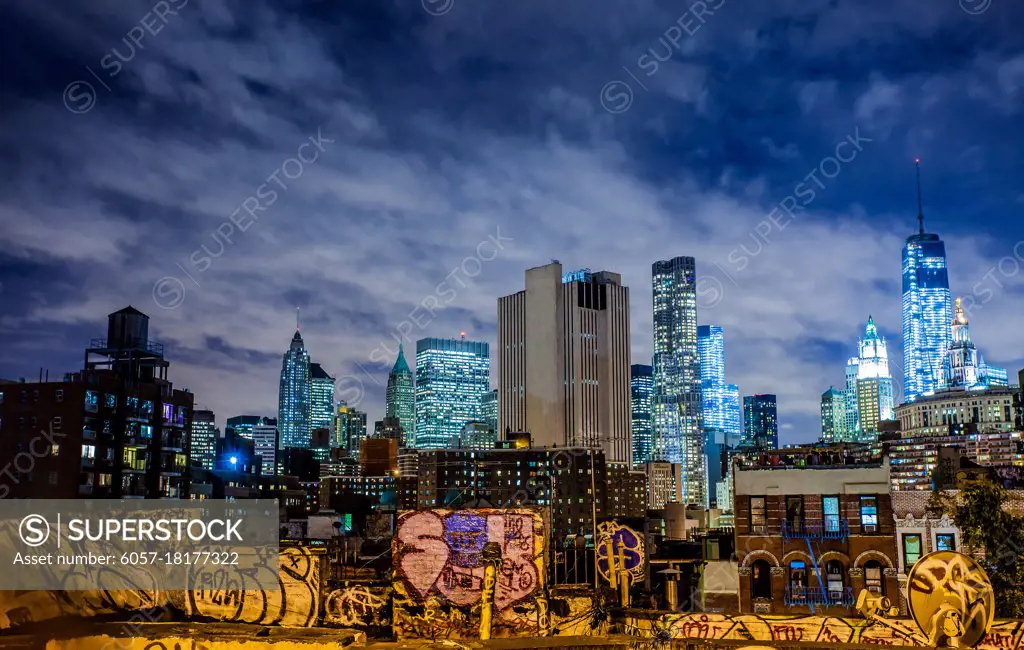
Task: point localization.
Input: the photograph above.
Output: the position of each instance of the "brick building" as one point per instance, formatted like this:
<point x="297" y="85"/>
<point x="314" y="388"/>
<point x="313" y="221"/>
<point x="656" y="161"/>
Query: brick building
<point x="116" y="429"/>
<point x="809" y="537"/>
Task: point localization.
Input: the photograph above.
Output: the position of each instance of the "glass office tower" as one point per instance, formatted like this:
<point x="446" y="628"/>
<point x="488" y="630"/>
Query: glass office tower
<point x="400" y="397"/>
<point x="760" y="422"/>
<point x="677" y="404"/>
<point x="321" y="399"/>
<point x="451" y="377"/>
<point x="641" y="388"/>
<point x="293" y="396"/>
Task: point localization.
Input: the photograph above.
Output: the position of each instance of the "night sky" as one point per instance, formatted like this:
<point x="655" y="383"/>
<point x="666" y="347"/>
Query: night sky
<point x="603" y="134"/>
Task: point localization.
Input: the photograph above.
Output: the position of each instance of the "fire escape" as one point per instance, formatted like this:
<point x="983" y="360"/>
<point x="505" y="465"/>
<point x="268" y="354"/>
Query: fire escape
<point x="814" y="535"/>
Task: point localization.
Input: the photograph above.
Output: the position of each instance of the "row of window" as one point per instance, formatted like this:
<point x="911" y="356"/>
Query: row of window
<point x="830" y="510"/>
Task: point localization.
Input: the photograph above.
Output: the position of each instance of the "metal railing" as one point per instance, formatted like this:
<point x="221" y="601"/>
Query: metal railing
<point x="815" y="531"/>
<point x="814" y="596"/>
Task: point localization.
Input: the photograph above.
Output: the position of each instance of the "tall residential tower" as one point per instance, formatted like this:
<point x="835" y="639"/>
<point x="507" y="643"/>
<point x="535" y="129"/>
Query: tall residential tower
<point x="641" y="388"/>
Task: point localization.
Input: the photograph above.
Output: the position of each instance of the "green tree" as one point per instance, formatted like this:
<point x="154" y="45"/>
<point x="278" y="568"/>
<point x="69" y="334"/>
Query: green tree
<point x="994" y="536"/>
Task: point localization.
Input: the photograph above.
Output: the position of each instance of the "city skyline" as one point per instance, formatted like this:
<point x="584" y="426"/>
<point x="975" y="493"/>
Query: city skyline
<point x="538" y="164"/>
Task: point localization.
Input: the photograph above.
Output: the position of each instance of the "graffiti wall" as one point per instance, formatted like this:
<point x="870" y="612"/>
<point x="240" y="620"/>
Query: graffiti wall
<point x="624" y="541"/>
<point x="294" y="599"/>
<point x="440" y="558"/>
<point x="1006" y="635"/>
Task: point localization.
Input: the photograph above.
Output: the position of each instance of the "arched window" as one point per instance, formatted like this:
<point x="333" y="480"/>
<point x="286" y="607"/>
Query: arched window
<point x="760" y="579"/>
<point x="835" y="582"/>
<point x="873" y="577"/>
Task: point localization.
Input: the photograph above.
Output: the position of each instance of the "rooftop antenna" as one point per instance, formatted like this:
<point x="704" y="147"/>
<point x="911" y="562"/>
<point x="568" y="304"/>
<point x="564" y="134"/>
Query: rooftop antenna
<point x="297" y="322"/>
<point x="463" y="335"/>
<point x="920" y="211"/>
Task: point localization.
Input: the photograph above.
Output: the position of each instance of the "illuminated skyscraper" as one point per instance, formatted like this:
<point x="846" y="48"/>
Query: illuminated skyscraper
<point x="400" y="398"/>
<point x="489" y="410"/>
<point x="451" y="377"/>
<point x="760" y="422"/>
<point x="927" y="309"/>
<point x="874" y="384"/>
<point x="721" y="401"/>
<point x="321" y="398"/>
<point x="294" y="396"/>
<point x="833" y="416"/>
<point x="964" y="367"/>
<point x="678" y="431"/>
<point x="850" y="399"/>
<point x="641" y="386"/>
<point x="203" y="439"/>
<point x="563" y="345"/>
<point x="349" y="428"/>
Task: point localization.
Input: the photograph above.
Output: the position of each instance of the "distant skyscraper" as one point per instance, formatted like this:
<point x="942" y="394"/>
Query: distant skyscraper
<point x="489" y="410"/>
<point x="964" y="367"/>
<point x="293" y="396"/>
<point x="760" y="422"/>
<point x="321" y="398"/>
<point x="451" y="377"/>
<point x="349" y="428"/>
<point x="677" y="405"/>
<point x="400" y="398"/>
<point x="850" y="399"/>
<point x="833" y="416"/>
<point x="874" y="384"/>
<point x="641" y="389"/>
<point x="264" y="438"/>
<point x="242" y="425"/>
<point x="203" y="439"/>
<point x="927" y="309"/>
<point x="721" y="401"/>
<point x="564" y="360"/>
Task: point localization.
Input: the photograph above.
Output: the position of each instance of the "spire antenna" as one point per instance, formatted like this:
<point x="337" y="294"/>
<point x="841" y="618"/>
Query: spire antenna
<point x="297" y="321"/>
<point x="920" y="211"/>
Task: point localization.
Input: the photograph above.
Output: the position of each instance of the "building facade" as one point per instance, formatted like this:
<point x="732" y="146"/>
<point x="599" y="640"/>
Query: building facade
<point x="203" y="439"/>
<point x="641" y="389"/>
<point x="400" y="398"/>
<point x="451" y="377"/>
<point x="477" y="435"/>
<point x="117" y="429"/>
<point x="321" y="398"/>
<point x="721" y="400"/>
<point x="564" y="360"/>
<point x="810" y="538"/>
<point x="833" y="416"/>
<point x="349" y="428"/>
<point x="874" y="383"/>
<point x="664" y="484"/>
<point x="294" y="396"/>
<point x="243" y="424"/>
<point x="489" y="410"/>
<point x="760" y="421"/>
<point x="264" y="438"/>
<point x="964" y="367"/>
<point x="677" y="401"/>
<point x="927" y="312"/>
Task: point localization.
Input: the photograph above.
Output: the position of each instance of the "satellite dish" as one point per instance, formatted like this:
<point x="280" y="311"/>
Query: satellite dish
<point x="950" y="597"/>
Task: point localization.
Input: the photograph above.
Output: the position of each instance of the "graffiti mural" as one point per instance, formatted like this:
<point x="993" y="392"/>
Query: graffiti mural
<point x="1006" y="635"/>
<point x="626" y="540"/>
<point x="439" y="561"/>
<point x="359" y="606"/>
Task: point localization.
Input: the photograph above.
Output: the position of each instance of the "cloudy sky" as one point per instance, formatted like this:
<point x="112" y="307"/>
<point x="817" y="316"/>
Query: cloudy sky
<point x="218" y="163"/>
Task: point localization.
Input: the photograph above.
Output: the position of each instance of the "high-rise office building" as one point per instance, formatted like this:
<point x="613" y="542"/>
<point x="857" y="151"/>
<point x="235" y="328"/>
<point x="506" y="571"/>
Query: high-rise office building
<point x="721" y="400"/>
<point x="850" y="399"/>
<point x="874" y="384"/>
<point x="641" y="389"/>
<point x="264" y="438"/>
<point x="293" y="396"/>
<point x="677" y="402"/>
<point x="242" y="425"/>
<point x="349" y="428"/>
<point x="203" y="439"/>
<point x="563" y="344"/>
<point x="321" y="398"/>
<point x="760" y="422"/>
<point x="451" y="377"/>
<point x="400" y="398"/>
<point x="833" y="416"/>
<point x="489" y="410"/>
<point x="927" y="309"/>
